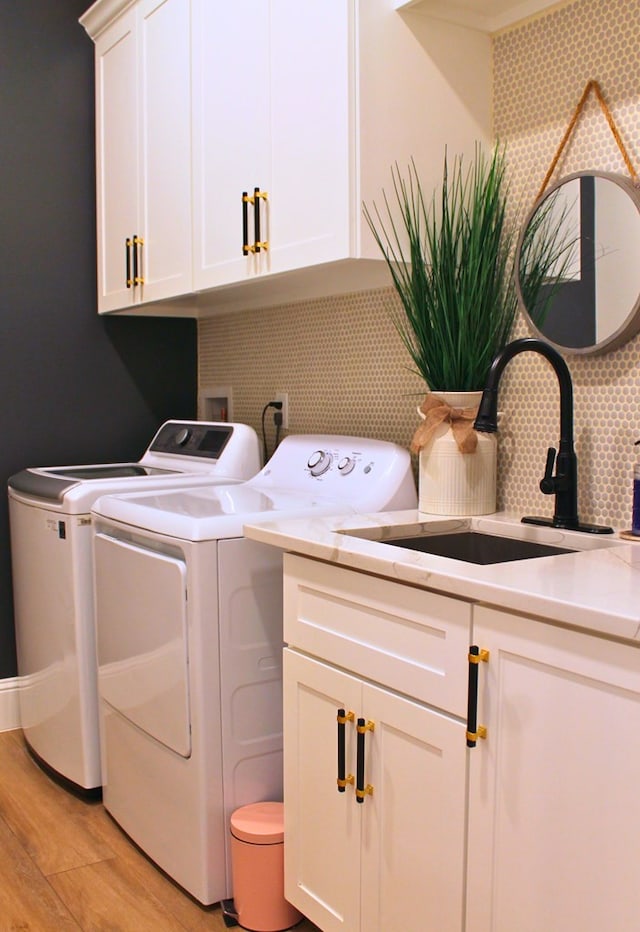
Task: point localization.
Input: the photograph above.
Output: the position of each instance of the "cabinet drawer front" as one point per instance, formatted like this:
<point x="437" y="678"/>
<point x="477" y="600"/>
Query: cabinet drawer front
<point x="409" y="639"/>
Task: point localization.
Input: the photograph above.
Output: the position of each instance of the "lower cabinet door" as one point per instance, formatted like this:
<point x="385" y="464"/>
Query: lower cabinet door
<point x="322" y="825"/>
<point x="413" y="824"/>
<point x="554" y="818"/>
<point x="395" y="861"/>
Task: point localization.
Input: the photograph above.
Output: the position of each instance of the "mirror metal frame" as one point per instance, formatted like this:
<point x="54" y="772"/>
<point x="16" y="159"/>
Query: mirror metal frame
<point x="631" y="324"/>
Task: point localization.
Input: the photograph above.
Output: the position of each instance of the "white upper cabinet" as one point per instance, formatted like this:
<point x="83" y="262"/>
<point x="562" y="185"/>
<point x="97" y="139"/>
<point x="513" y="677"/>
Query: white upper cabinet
<point x="231" y="133"/>
<point x="275" y="148"/>
<point x="326" y="97"/>
<point x="261" y="127"/>
<point x="143" y="154"/>
<point x="117" y="161"/>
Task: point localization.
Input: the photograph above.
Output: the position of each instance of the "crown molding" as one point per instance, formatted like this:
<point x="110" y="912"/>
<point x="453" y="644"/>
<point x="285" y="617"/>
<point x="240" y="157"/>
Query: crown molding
<point x="101" y="14"/>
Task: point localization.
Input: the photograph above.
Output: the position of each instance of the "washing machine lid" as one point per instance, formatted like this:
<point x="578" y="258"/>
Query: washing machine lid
<point x="211" y="512"/>
<point x="181" y="453"/>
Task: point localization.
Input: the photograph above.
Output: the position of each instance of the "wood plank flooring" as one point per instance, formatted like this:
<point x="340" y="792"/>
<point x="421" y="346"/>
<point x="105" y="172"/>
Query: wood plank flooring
<point x="65" y="864"/>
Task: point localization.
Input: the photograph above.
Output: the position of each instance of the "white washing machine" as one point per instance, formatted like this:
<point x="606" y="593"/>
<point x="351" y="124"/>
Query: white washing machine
<point x="51" y="555"/>
<point x="189" y="631"/>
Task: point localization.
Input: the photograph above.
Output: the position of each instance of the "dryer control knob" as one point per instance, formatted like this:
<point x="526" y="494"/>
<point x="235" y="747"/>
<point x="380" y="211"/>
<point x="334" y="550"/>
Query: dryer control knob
<point x="346" y="465"/>
<point x="319" y="462"/>
<point x="182" y="436"/>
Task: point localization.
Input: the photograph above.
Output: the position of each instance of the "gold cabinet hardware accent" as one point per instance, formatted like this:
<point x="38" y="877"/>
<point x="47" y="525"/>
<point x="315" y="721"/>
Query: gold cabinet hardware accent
<point x="349" y="780"/>
<point x="348" y="717"/>
<point x="480" y="733"/>
<point x="476" y="658"/>
<point x="258" y="246"/>
<point x="363" y="729"/>
<point x="367" y="791"/>
<point x="251" y="198"/>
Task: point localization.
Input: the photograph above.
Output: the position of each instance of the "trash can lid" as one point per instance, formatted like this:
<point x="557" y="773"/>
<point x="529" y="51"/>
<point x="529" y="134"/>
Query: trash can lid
<point x="259" y="823"/>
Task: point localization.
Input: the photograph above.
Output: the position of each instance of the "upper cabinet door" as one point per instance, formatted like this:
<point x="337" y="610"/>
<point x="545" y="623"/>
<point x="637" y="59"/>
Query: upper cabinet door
<point x="143" y="108"/>
<point x="165" y="148"/>
<point x="117" y="163"/>
<point x="272" y="103"/>
<point x="312" y="131"/>
<point x="231" y="137"/>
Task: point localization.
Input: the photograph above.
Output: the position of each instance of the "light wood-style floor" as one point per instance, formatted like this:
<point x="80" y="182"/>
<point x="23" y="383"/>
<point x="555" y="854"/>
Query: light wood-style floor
<point x="65" y="865"/>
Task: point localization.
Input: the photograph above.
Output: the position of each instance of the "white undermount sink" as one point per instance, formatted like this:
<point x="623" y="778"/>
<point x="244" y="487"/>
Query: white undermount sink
<point x="484" y="540"/>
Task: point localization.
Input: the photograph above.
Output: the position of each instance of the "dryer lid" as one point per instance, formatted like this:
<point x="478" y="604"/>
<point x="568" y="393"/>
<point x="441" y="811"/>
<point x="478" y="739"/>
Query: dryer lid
<point x="211" y="512"/>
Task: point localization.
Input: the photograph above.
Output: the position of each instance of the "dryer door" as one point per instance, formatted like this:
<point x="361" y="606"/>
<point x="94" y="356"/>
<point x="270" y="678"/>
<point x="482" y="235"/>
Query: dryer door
<point x="141" y="617"/>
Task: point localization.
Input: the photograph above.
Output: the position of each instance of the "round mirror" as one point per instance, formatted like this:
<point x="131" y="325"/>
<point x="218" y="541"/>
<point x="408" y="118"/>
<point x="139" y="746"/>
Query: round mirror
<point x="578" y="263"/>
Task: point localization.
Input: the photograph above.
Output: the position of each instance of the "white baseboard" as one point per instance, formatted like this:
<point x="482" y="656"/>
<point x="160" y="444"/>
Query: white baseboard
<point x="9" y="710"/>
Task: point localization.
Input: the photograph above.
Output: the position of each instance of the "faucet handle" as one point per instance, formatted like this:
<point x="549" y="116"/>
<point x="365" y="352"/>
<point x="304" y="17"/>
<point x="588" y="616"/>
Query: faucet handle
<point x="548" y="483"/>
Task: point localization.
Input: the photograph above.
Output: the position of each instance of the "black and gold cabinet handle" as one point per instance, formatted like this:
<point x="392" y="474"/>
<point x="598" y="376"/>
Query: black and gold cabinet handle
<point x="246" y="200"/>
<point x="362" y="790"/>
<point x="343" y="780"/>
<point x="258" y="243"/>
<point x="133" y="261"/>
<point x="128" y="243"/>
<point x="474" y="731"/>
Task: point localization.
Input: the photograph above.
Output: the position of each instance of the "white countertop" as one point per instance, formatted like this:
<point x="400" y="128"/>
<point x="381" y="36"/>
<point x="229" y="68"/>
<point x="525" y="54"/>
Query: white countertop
<point x="594" y="589"/>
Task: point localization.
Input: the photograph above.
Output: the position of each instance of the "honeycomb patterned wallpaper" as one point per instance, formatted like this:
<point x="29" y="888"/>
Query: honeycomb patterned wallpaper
<point x="341" y="360"/>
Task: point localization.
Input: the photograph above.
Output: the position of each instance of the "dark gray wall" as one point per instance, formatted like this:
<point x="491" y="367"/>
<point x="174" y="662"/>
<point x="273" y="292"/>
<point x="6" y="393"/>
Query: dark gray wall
<point x="74" y="388"/>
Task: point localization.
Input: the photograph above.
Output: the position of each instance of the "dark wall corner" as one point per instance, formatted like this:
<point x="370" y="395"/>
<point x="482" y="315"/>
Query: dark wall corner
<point x="76" y="388"/>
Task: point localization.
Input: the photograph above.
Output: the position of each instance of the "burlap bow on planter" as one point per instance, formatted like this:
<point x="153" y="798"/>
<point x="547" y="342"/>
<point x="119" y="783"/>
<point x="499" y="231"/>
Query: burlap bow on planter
<point x="457" y="472"/>
<point x="436" y="411"/>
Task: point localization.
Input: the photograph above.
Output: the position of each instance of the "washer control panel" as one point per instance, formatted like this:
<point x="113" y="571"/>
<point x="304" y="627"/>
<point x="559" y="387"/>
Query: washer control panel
<point x="186" y="438"/>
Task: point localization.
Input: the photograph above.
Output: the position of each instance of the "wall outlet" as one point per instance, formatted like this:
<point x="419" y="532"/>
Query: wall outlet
<point x="284" y="398"/>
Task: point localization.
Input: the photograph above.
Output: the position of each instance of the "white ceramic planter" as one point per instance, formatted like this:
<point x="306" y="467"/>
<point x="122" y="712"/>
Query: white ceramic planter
<point x="455" y="483"/>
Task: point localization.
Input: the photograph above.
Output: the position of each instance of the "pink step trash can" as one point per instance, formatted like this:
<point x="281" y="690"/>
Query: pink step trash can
<point x="257" y="863"/>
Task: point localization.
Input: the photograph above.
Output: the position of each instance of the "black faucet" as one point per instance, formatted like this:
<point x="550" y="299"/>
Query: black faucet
<point x="564" y="485"/>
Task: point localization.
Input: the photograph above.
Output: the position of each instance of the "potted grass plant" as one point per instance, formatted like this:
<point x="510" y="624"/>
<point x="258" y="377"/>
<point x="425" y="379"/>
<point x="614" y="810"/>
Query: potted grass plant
<point x="451" y="259"/>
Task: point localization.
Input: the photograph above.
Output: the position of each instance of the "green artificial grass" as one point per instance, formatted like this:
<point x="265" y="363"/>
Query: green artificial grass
<point x="452" y="263"/>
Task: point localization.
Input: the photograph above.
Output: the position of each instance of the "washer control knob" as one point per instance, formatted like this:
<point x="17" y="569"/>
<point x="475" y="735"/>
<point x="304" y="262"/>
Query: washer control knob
<point x="346" y="465"/>
<point x="319" y="462"/>
<point x="182" y="436"/>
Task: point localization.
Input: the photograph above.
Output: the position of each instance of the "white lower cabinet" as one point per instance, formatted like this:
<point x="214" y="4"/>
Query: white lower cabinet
<point x="554" y="811"/>
<point x="535" y="829"/>
<point x="395" y="861"/>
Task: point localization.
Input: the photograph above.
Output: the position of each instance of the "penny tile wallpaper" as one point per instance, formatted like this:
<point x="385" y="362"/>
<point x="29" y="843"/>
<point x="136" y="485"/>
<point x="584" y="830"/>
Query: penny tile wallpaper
<point x="340" y="358"/>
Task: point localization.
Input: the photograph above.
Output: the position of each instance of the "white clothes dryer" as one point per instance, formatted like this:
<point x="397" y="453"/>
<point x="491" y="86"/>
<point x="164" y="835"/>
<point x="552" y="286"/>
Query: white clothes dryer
<point x="51" y="555"/>
<point x="189" y="631"/>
